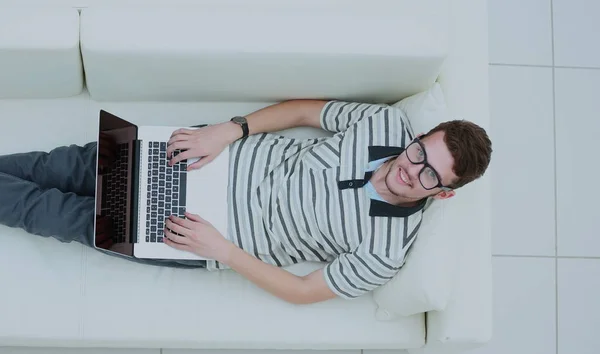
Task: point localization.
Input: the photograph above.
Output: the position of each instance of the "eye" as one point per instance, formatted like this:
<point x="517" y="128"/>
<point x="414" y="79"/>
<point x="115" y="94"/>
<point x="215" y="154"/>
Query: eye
<point x="431" y="175"/>
<point x="420" y="152"/>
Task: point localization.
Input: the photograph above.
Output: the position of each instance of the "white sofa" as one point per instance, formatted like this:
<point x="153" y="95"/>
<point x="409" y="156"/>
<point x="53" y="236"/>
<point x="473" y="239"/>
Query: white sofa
<point x="184" y="64"/>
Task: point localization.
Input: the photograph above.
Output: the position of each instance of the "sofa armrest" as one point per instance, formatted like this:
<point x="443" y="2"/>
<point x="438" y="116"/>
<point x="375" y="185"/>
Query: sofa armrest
<point x="467" y="321"/>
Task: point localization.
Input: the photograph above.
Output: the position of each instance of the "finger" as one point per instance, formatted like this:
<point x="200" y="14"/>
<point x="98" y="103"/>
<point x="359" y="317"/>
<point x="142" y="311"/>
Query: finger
<point x="177" y="228"/>
<point x="182" y="156"/>
<point x="176" y="138"/>
<point x="177" y="245"/>
<point x="178" y="145"/>
<point x="198" y="164"/>
<point x="187" y="224"/>
<point x="182" y="131"/>
<point x="176" y="238"/>
<point x="196" y="218"/>
<point x="171" y="147"/>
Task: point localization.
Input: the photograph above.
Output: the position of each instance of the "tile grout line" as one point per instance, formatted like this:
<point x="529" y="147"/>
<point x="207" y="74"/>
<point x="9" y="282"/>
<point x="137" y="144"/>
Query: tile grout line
<point x="555" y="178"/>
<point x="521" y="65"/>
<point x="542" y="256"/>
<point x="576" y="67"/>
<point x="546" y="66"/>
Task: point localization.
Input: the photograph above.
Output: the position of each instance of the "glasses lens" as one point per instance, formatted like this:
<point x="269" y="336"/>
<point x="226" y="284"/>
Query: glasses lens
<point x="415" y="153"/>
<point x="428" y="178"/>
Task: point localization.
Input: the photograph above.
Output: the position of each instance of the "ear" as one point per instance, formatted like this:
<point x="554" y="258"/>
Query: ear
<point x="444" y="195"/>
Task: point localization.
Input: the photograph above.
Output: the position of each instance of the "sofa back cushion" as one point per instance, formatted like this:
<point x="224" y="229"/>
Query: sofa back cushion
<point x="39" y="52"/>
<point x="191" y="54"/>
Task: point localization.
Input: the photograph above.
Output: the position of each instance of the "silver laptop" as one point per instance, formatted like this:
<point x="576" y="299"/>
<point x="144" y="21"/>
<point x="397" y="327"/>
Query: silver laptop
<point x="140" y="190"/>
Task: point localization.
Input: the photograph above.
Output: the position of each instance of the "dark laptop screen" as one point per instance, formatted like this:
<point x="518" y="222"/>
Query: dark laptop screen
<point x="114" y="184"/>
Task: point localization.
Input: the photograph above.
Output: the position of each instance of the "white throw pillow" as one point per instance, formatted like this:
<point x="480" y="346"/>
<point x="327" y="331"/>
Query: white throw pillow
<point x="425" y="109"/>
<point x="425" y="282"/>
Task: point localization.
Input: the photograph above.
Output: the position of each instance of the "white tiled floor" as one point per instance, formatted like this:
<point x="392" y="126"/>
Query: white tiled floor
<point x="576" y="30"/>
<point x="545" y="66"/>
<point x="577" y="131"/>
<point x="510" y="46"/>
<point x="521" y="109"/>
<point x="578" y="306"/>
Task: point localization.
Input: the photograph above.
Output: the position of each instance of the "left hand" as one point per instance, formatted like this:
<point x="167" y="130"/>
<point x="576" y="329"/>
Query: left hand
<point x="199" y="237"/>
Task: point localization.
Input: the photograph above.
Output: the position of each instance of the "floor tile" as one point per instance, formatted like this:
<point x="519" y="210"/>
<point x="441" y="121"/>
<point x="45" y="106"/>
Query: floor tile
<point x="524" y="307"/>
<point x="578" y="306"/>
<point x="577" y="168"/>
<point x="522" y="135"/>
<point x="520" y="32"/>
<point x="576" y="30"/>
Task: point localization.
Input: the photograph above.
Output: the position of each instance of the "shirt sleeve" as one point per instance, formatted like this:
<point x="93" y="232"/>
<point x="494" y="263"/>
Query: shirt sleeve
<point x="351" y="275"/>
<point x="338" y="116"/>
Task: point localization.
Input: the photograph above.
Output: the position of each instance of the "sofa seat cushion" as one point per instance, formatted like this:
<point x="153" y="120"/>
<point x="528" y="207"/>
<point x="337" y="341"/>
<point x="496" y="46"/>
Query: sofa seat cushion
<point x="92" y="299"/>
<point x="39" y="52"/>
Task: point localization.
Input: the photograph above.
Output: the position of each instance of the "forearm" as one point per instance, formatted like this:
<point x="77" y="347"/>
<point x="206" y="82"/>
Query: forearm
<point x="276" y="281"/>
<point x="280" y="116"/>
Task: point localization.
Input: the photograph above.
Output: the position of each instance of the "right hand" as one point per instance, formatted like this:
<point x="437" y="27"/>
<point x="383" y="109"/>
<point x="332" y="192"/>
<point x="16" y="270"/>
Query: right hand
<point x="204" y="143"/>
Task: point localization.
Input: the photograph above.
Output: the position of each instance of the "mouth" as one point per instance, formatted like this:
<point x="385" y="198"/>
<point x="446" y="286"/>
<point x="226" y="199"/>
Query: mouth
<point x="402" y="177"/>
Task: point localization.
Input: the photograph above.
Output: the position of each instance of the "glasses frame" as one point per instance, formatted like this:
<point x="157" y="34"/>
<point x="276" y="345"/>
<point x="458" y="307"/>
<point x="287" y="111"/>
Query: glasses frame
<point x="425" y="165"/>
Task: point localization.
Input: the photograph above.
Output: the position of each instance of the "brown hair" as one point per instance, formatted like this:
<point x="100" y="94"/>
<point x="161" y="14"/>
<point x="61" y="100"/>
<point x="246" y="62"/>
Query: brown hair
<point x="470" y="147"/>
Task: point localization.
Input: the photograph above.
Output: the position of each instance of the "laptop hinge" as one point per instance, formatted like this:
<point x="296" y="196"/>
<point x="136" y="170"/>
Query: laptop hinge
<point x="135" y="190"/>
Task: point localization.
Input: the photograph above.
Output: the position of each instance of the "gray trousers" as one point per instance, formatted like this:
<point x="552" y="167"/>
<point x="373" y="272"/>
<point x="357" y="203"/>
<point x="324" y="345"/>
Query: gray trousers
<point x="51" y="194"/>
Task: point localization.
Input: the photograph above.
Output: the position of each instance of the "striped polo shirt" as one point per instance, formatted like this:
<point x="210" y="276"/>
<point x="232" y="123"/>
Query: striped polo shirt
<point x="295" y="200"/>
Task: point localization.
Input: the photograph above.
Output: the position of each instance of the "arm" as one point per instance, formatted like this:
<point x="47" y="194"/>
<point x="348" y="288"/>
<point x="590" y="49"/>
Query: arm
<point x="307" y="289"/>
<point x="280" y="116"/>
<point x="201" y="238"/>
<point x="208" y="142"/>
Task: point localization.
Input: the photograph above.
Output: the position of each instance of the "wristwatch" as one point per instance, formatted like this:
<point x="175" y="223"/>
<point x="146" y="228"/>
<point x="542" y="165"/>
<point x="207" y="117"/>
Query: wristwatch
<point x="242" y="122"/>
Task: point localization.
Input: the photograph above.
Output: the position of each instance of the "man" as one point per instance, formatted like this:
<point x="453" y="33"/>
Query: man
<point x="354" y="200"/>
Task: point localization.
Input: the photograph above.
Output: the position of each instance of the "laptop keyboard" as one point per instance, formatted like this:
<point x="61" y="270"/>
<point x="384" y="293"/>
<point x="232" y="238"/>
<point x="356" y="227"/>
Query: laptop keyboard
<point x="166" y="190"/>
<point x="115" y="183"/>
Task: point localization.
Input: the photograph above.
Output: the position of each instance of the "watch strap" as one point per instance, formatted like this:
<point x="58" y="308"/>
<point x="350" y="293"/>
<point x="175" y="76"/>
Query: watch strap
<point x="242" y="122"/>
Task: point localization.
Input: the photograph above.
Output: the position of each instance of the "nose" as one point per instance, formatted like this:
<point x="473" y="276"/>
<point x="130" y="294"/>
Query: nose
<point x="413" y="171"/>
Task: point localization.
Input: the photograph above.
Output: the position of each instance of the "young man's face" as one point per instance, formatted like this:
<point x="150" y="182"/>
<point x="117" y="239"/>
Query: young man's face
<point x="402" y="181"/>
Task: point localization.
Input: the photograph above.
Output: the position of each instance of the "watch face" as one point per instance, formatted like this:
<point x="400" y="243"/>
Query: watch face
<point x="239" y="120"/>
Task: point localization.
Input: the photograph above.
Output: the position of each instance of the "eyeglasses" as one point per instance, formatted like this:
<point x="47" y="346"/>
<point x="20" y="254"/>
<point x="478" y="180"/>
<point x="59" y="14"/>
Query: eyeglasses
<point x="428" y="176"/>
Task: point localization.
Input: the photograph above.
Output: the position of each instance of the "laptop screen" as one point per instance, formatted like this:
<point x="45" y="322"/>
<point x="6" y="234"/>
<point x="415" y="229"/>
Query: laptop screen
<point x="114" y="184"/>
